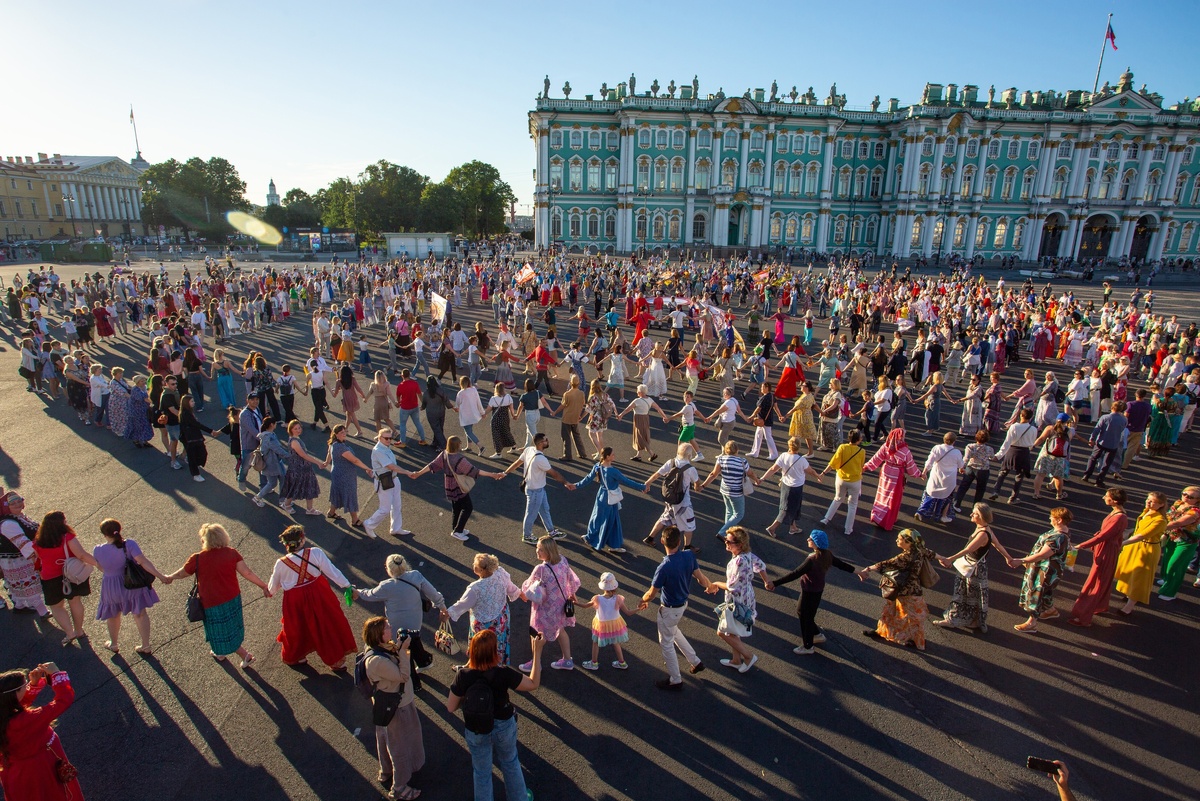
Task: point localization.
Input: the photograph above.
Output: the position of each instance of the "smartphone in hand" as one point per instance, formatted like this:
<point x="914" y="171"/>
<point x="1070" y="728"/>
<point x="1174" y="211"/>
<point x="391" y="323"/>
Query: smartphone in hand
<point x="1041" y="765"/>
<point x="534" y="633"/>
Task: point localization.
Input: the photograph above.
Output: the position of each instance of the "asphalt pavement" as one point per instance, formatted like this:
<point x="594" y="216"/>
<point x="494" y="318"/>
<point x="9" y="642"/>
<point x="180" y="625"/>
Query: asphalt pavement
<point x="859" y="720"/>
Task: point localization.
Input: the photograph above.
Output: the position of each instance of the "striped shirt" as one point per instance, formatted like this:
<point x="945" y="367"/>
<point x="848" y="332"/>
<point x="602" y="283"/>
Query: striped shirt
<point x="733" y="473"/>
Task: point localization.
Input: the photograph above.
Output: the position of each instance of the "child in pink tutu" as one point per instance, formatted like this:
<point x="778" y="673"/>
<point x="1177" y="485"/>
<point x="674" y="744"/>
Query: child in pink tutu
<point x="608" y="627"/>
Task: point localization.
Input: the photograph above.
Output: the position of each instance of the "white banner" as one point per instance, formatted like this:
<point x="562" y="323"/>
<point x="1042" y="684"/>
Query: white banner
<point x="437" y="307"/>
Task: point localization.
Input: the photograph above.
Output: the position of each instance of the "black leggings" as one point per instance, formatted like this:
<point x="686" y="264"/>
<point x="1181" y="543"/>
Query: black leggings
<point x="461" y="512"/>
<point x="319" y="406"/>
<point x="809" y="603"/>
<point x="973" y="476"/>
<point x="881" y="428"/>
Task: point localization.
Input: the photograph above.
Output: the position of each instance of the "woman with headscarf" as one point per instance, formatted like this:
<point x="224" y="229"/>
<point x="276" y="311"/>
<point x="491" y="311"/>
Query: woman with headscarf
<point x="435" y="402"/>
<point x="894" y="461"/>
<point x="352" y="396"/>
<point x="18" y="560"/>
<point x="904" y="611"/>
<point x="811" y="573"/>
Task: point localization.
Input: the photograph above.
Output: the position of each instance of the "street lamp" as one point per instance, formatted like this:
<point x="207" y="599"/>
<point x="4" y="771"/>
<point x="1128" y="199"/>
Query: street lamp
<point x="944" y="205"/>
<point x="67" y="201"/>
<point x="644" y="194"/>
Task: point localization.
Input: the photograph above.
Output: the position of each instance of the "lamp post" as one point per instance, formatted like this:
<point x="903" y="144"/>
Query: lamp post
<point x="1081" y="212"/>
<point x="644" y="194"/>
<point x="944" y="206"/>
<point x="67" y="201"/>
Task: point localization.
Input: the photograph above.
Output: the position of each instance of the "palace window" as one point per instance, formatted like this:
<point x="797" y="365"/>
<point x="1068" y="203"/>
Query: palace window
<point x="947" y="180"/>
<point x="612" y="140"/>
<point x="640" y="225"/>
<point x="811" y="180"/>
<point x="843" y="184"/>
<point x="731" y="140"/>
<point x="593" y="226"/>
<point x="1027" y="184"/>
<point x="1196" y="192"/>
<point x="1126" y="183"/>
<point x="1001" y="233"/>
<point x="1035" y="150"/>
<point x="839" y="231"/>
<point x="856" y="229"/>
<point x="556" y="175"/>
<point x="556" y="224"/>
<point x="704" y="139"/>
<point x="1160" y="153"/>
<point x="677" y="175"/>
<point x="1180" y="183"/>
<point x="1010" y="178"/>
<point x="3" y="211"/>
<point x="797" y="185"/>
<point x="918" y="226"/>
<point x="756" y="173"/>
<point x="951" y="147"/>
<point x="17" y="205"/>
<point x="757" y="140"/>
<point x="1114" y="151"/>
<point x="1014" y="150"/>
<point x="729" y="173"/>
<point x="781" y="142"/>
<point x="780" y="184"/>
<point x="610" y="226"/>
<point x="879" y="151"/>
<point x="864" y="150"/>
<point x="576" y="222"/>
<point x="703" y="171"/>
<point x="660" y="226"/>
<point x="793" y="228"/>
<point x="776" y="227"/>
<point x="1134" y="150"/>
<point x="981" y="233"/>
<point x="993" y="151"/>
<point x="593" y="176"/>
<point x="576" y="176"/>
<point x="673" y="228"/>
<point x="1018" y="234"/>
<point x="1064" y="148"/>
<point x="1188" y="152"/>
<point x="556" y="139"/>
<point x="576" y="140"/>
<point x="643" y="138"/>
<point x="960" y="232"/>
<point x="660" y="174"/>
<point x="873" y="230"/>
<point x="1185" y="238"/>
<point x="860" y="184"/>
<point x="847" y="149"/>
<point x="989" y="183"/>
<point x="814" y="144"/>
<point x="677" y="139"/>
<point x="806" y="230"/>
<point x="923" y="179"/>
<point x="1106" y="184"/>
<point x="643" y="174"/>
<point x="1152" y="185"/>
<point x="876" y="184"/>
<point x="927" y="146"/>
<point x="939" y="228"/>
<point x="972" y="148"/>
<point x="699" y="226"/>
<point x="594" y="140"/>
<point x="660" y="139"/>
<point x="610" y="175"/>
<point x="1058" y="189"/>
<point x="968" y="179"/>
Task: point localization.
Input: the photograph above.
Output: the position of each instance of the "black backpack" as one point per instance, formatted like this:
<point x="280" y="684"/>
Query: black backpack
<point x="361" y="682"/>
<point x="673" y="487"/>
<point x="479" y="707"/>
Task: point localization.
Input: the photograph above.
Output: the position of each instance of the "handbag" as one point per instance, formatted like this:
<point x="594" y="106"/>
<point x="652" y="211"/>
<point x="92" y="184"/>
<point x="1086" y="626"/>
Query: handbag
<point x="928" y="575"/>
<point x="384" y="706"/>
<point x="386" y="479"/>
<point x="443" y="640"/>
<point x="465" y="483"/>
<point x="887" y="585"/>
<point x="569" y="606"/>
<point x="136" y="576"/>
<point x="966" y="567"/>
<point x="75" y="570"/>
<point x="64" y="771"/>
<point x="257" y="461"/>
<point x="747" y="485"/>
<point x="615" y="496"/>
<point x="195" y="609"/>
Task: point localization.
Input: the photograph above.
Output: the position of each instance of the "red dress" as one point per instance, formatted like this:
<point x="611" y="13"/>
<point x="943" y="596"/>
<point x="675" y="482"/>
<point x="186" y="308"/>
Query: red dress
<point x="312" y="619"/>
<point x="104" y="326"/>
<point x="27" y="772"/>
<point x="1106" y="545"/>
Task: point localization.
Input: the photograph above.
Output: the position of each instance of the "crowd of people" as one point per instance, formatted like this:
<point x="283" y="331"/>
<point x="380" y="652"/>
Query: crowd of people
<point x="652" y="328"/>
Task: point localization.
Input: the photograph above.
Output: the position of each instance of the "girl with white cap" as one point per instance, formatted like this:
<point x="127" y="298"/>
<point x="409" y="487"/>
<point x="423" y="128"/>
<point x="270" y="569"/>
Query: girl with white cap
<point x="608" y="627"/>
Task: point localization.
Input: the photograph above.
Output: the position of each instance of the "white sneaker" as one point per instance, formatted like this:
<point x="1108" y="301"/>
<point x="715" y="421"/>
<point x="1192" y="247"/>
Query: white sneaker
<point x="747" y="665"/>
<point x="176" y="465"/>
<point x="946" y="519"/>
<point x="370" y="531"/>
<point x="257" y="501"/>
<point x="818" y="639"/>
<point x="800" y="649"/>
<point x="461" y="536"/>
<point x="197" y="478"/>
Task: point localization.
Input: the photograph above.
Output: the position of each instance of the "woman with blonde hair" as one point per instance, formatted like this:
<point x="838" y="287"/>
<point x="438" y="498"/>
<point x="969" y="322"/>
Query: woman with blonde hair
<point x="550" y="586"/>
<point x="969" y="604"/>
<point x="384" y="396"/>
<point x="738" y="613"/>
<point x="487" y="599"/>
<point x="216" y="567"/>
<point x="1141" y="552"/>
<point x="599" y="409"/>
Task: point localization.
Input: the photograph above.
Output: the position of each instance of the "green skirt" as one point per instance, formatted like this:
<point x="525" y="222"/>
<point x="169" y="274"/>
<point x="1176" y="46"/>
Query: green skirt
<point x="224" y="628"/>
<point x="687" y="433"/>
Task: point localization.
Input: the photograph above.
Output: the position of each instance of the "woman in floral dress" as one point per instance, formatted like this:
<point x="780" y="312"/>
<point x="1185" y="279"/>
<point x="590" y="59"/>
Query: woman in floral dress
<point x="300" y="480"/>
<point x="548" y="588"/>
<point x="119" y="403"/>
<point x="737" y="615"/>
<point x="904" y="610"/>
<point x="599" y="409"/>
<point x="486" y="599"/>
<point x="1044" y="567"/>
<point x="972" y="413"/>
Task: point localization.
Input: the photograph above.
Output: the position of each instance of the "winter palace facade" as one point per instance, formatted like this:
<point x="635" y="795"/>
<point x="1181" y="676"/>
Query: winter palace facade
<point x="1030" y="174"/>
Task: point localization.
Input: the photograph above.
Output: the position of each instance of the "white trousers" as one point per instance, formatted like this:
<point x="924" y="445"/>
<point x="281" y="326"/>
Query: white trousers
<point x="389" y="504"/>
<point x="845" y="492"/>
<point x="670" y="636"/>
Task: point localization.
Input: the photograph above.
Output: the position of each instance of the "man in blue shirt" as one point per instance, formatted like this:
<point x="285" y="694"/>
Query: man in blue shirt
<point x="1106" y="438"/>
<point x="672" y="580"/>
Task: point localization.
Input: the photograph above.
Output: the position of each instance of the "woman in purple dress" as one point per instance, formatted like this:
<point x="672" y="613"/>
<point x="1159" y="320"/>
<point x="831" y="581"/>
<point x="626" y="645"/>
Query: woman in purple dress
<point x="115" y="599"/>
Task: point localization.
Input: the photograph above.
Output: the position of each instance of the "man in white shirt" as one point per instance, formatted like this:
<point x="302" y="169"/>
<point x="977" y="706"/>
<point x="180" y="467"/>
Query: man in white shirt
<point x="1014" y="455"/>
<point x="941" y="470"/>
<point x="383" y="464"/>
<point x="536" y="468"/>
<point x="681" y="514"/>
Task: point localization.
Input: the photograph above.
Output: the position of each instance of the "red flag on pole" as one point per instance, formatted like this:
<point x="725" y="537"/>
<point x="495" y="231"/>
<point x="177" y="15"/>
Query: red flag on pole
<point x="131" y="113"/>
<point x="1110" y="37"/>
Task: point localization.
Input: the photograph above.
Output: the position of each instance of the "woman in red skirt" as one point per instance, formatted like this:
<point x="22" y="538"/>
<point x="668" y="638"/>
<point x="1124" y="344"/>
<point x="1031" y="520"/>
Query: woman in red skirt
<point x="32" y="761"/>
<point x="312" y="618"/>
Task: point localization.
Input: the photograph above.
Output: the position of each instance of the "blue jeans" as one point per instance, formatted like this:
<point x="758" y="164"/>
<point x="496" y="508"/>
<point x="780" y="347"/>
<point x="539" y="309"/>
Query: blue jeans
<point x="503" y="742"/>
<point x="735" y="510"/>
<point x="402" y="426"/>
<point x="470" y="431"/>
<point x="422" y="363"/>
<point x="536" y="505"/>
<point x="241" y="476"/>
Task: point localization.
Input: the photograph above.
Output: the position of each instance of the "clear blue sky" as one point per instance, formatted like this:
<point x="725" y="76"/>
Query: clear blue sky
<point x="306" y="92"/>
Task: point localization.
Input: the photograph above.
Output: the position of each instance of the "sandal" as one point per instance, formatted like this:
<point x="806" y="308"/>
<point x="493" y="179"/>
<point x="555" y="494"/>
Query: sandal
<point x="1026" y="627"/>
<point x="112" y="647"/>
<point x="144" y="651"/>
<point x="248" y="661"/>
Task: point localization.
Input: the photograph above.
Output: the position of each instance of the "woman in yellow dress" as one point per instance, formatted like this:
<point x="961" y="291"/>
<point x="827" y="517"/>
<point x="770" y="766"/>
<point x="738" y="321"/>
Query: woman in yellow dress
<point x="802" y="424"/>
<point x="1140" y="554"/>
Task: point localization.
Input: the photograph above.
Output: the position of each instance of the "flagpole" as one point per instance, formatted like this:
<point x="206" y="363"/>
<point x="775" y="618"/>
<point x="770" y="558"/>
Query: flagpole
<point x="1103" y="44"/>
<point x="138" y="146"/>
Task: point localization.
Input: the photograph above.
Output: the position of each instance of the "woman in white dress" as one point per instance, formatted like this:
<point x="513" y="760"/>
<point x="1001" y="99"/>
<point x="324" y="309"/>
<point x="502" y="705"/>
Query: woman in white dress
<point x="655" y="378"/>
<point x="1074" y="354"/>
<point x="616" y="369"/>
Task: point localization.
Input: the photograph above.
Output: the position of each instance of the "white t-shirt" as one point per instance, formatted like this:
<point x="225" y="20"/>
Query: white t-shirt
<point x="791" y="469"/>
<point x="536" y="467"/>
<point x="689" y="414"/>
<point x="729" y="410"/>
<point x="690" y="477"/>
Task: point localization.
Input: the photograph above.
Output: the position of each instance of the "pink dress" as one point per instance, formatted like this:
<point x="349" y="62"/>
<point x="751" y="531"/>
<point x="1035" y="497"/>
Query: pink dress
<point x="556" y="583"/>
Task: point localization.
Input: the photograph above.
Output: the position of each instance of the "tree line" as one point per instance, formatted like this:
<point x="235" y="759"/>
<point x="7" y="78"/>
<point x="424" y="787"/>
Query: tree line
<point x="196" y="194"/>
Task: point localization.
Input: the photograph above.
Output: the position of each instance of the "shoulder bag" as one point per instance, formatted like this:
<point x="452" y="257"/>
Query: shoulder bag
<point x="615" y="496"/>
<point x="928" y="575"/>
<point x="569" y="606"/>
<point x="195" y="609"/>
<point x="747" y="484"/>
<point x="426" y="604"/>
<point x="136" y="577"/>
<point x="465" y="483"/>
<point x="75" y="571"/>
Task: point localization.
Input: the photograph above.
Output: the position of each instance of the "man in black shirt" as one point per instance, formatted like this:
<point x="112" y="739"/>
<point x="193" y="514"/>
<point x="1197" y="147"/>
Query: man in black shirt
<point x="168" y="404"/>
<point x="763" y="418"/>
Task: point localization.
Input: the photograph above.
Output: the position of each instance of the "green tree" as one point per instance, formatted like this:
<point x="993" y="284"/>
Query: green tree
<point x="484" y="198"/>
<point x="301" y="209"/>
<point x="389" y="197"/>
<point x="441" y="208"/>
<point x="194" y="195"/>
<point x="337" y="202"/>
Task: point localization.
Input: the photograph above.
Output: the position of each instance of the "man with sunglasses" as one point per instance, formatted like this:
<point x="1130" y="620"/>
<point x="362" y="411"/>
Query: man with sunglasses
<point x="672" y="580"/>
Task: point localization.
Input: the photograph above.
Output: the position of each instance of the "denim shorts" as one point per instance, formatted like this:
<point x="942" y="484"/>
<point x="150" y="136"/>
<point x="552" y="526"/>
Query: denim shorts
<point x="173" y="433"/>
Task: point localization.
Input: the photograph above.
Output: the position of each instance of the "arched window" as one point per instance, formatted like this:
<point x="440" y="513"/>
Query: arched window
<point x="1018" y="234"/>
<point x="576" y="140"/>
<point x="1035" y="150"/>
<point x="878" y="151"/>
<point x="923" y="179"/>
<point x="1152" y="185"/>
<point x="876" y="183"/>
<point x="660" y="174"/>
<point x="872" y="230"/>
<point x="927" y="146"/>
<point x="593" y="176"/>
<point x="677" y="139"/>
<point x="757" y="140"/>
<point x="1114" y="151"/>
<point x="1094" y="153"/>
<point x="703" y="172"/>
<point x="1134" y="150"/>
<point x="1001" y="233"/>
<point x="779" y="186"/>
<point x="843" y="185"/>
<point x="673" y="227"/>
<point x="918" y="225"/>
<point x="1064" y="149"/>
<point x="1010" y="178"/>
<point x="593" y="228"/>
<point x="806" y="229"/>
<point x="989" y="183"/>
<point x="938" y="229"/>
<point x="729" y="173"/>
<point x="1180" y="183"/>
<point x="640" y="225"/>
<point x="1014" y="150"/>
<point x="704" y="139"/>
<point x="847" y="149"/>
<point x="676" y="174"/>
<point x="575" y="180"/>
<point x="973" y="148"/>
<point x="594" y="140"/>
<point x="776" y="227"/>
<point x="1027" y="183"/>
<point x="756" y="173"/>
<point x="699" y="228"/>
<point x="839" y="230"/>
<point x="864" y="150"/>
<point x="1126" y="183"/>
<point x="856" y="226"/>
<point x="611" y="140"/>
<point x="947" y="181"/>
<point x="556" y="139"/>
<point x="793" y="228"/>
<point x="781" y="142"/>
<point x="812" y="179"/>
<point x="643" y="174"/>
<point x="610" y="224"/>
<point x="860" y="183"/>
<point x="731" y="139"/>
<point x="993" y="151"/>
<point x="1185" y="238"/>
<point x="556" y="224"/>
<point x="951" y="147"/>
<point x="556" y="174"/>
<point x="960" y="232"/>
<point x="660" y="226"/>
<point x="797" y="179"/>
<point x="643" y="138"/>
<point x="981" y="232"/>
<point x="610" y="174"/>
<point x="576" y="225"/>
<point x="660" y="139"/>
<point x="814" y="144"/>
<point x="968" y="180"/>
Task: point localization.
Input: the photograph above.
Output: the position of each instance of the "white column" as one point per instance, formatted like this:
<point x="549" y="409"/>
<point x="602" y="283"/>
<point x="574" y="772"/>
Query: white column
<point x="927" y="226"/>
<point x="1045" y="168"/>
<point x="756" y="226"/>
<point x="972" y="226"/>
<point x="1071" y="242"/>
<point x="690" y="175"/>
<point x="744" y="165"/>
<point x="1166" y="191"/>
<point x="939" y="153"/>
<point x="902" y="234"/>
<point x="882" y="237"/>
<point x="689" y="211"/>
<point x="1143" y="175"/>
<point x="823" y="222"/>
<point x="981" y="168"/>
<point x="889" y="176"/>
<point x="960" y="161"/>
<point x="1158" y="242"/>
<point x="1033" y="238"/>
<point x="1119" y="246"/>
<point x="768" y="154"/>
<point x="827" y="167"/>
<point x="110" y="202"/>
<point x="1079" y="165"/>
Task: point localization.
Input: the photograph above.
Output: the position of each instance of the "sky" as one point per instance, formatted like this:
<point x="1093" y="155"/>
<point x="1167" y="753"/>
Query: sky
<point x="305" y="92"/>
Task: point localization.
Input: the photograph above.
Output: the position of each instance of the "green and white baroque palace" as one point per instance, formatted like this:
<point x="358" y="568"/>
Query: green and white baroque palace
<point x="1030" y="174"/>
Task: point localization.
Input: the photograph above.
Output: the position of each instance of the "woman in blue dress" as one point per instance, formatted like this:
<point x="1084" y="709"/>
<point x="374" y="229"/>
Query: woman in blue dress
<point x="604" y="526"/>
<point x="343" y="480"/>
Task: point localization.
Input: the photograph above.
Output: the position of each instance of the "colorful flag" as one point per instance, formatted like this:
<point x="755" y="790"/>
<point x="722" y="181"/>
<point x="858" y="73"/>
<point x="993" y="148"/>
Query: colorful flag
<point x="526" y="275"/>
<point x="762" y="275"/>
<point x="1110" y="37"/>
